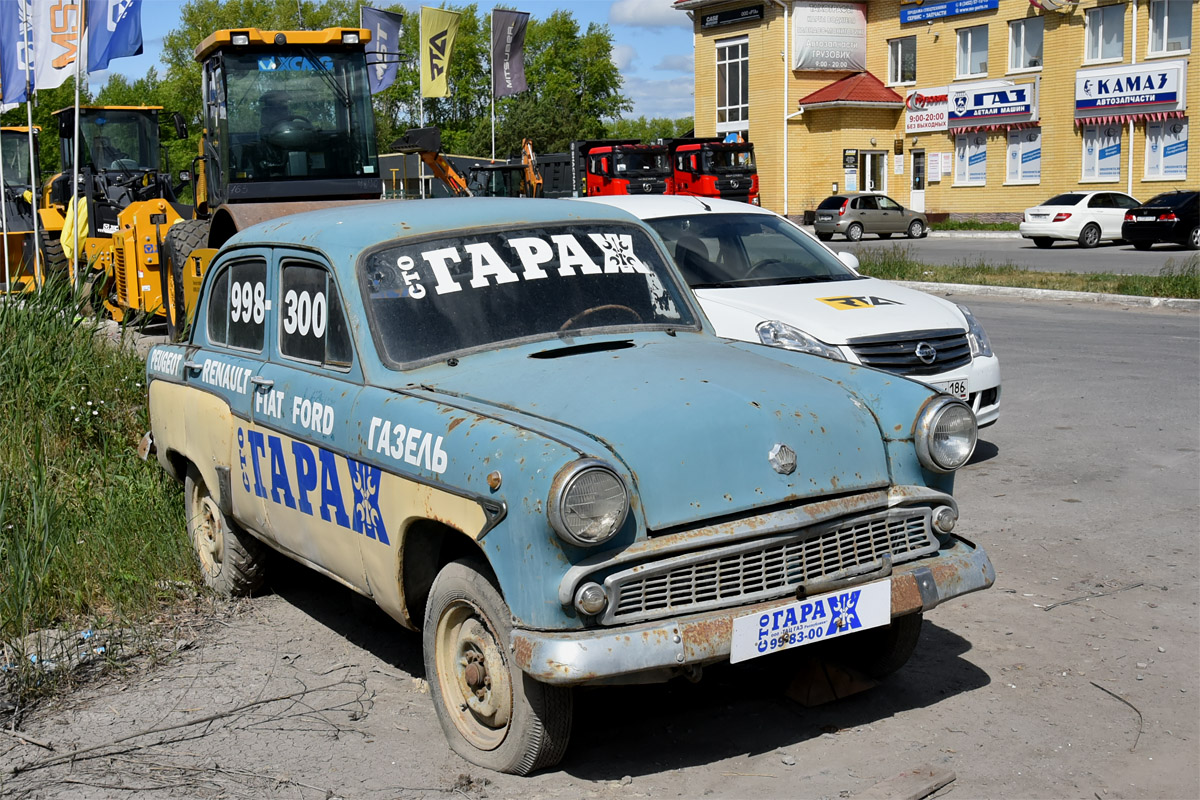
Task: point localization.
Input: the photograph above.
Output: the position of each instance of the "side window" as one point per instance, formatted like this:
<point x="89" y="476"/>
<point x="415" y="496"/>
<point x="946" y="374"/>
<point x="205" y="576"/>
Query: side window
<point x="888" y="204"/>
<point x="311" y="320"/>
<point x="237" y="306"/>
<point x="867" y="203"/>
<point x="1102" y="200"/>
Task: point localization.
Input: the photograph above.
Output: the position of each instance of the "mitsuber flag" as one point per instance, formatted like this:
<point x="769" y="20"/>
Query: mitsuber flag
<point x="114" y="30"/>
<point x="383" y="51"/>
<point x="508" y="52"/>
<point x="438" y="29"/>
<point x="57" y="40"/>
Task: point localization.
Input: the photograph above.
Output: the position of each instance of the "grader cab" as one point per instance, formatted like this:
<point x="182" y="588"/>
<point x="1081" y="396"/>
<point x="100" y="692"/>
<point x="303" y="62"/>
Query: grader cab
<point x="21" y="270"/>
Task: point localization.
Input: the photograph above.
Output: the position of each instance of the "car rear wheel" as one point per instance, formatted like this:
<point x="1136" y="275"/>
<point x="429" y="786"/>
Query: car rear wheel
<point x="1090" y="235"/>
<point x="916" y="229"/>
<point x="855" y="232"/>
<point x="492" y="713"/>
<point x="1193" y="242"/>
<point x="1142" y="245"/>
<point x="824" y="237"/>
<point x="1042" y="241"/>
<point x="231" y="560"/>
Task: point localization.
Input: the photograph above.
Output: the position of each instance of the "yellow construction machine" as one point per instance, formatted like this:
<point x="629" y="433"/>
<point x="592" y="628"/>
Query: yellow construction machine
<point x="21" y="273"/>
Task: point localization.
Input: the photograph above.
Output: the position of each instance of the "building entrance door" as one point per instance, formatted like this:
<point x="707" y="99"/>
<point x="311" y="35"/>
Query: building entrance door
<point x="872" y="171"/>
<point x="916" y="200"/>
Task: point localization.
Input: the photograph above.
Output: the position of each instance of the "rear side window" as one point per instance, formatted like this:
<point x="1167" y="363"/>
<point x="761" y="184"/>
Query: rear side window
<point x="237" y="306"/>
<point x="312" y="324"/>
<point x="831" y="202"/>
<point x="1069" y="199"/>
<point x="866" y="203"/>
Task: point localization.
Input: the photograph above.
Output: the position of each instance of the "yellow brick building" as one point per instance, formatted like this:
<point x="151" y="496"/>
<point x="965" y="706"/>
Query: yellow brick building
<point x="969" y="107"/>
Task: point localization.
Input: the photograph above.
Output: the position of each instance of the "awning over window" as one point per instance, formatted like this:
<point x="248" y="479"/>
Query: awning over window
<point x="1149" y="116"/>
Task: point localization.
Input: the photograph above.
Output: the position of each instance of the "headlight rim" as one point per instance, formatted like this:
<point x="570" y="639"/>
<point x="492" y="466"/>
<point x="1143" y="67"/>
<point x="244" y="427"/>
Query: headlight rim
<point x="925" y="426"/>
<point x="563" y="481"/>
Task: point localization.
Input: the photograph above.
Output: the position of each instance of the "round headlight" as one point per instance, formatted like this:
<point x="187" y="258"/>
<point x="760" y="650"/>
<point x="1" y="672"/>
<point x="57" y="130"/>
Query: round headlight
<point x="946" y="432"/>
<point x="588" y="503"/>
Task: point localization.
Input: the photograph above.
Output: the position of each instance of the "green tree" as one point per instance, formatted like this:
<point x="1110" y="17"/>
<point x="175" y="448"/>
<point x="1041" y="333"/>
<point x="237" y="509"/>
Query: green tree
<point x="649" y="130"/>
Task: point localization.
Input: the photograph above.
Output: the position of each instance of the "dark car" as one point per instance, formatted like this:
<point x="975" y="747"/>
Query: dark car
<point x="854" y="213"/>
<point x="1170" y="217"/>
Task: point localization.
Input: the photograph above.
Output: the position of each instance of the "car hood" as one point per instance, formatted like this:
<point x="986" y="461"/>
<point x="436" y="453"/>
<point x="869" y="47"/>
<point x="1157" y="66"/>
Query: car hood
<point x="834" y="311"/>
<point x="692" y="419"/>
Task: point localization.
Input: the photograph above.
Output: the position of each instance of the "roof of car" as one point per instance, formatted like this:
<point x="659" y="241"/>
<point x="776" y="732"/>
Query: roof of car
<point x="667" y="205"/>
<point x="346" y="231"/>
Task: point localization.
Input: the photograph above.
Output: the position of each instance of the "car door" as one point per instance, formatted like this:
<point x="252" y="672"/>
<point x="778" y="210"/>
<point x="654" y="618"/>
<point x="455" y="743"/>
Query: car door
<point x="302" y="409"/>
<point x="891" y="215"/>
<point x="230" y="353"/>
<point x="1124" y="204"/>
<point x="867" y="213"/>
<point x="1104" y="212"/>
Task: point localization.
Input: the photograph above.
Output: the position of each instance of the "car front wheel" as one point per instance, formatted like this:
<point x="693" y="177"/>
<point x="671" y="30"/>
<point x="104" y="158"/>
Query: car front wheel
<point x="879" y="652"/>
<point x="855" y="232"/>
<point x="916" y="229"/>
<point x="492" y="713"/>
<point x="230" y="559"/>
<point x="1090" y="235"/>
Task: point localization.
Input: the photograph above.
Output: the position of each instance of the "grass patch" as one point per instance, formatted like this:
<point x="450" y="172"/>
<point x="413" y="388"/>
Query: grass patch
<point x="973" y="225"/>
<point x="88" y="531"/>
<point x="1179" y="278"/>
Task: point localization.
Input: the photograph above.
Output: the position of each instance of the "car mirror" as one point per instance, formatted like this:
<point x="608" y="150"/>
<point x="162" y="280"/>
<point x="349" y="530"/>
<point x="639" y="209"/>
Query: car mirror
<point x="850" y="260"/>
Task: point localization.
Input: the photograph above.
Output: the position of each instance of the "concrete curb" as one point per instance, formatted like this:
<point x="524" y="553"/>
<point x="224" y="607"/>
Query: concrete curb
<point x="1054" y="295"/>
<point x="900" y="237"/>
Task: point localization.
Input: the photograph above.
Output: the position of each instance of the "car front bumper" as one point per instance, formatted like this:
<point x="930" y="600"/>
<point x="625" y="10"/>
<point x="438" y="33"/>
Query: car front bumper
<point x="598" y="655"/>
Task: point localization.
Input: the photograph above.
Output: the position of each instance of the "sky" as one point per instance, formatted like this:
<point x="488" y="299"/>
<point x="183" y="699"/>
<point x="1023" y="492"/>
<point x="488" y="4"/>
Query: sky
<point x="652" y="45"/>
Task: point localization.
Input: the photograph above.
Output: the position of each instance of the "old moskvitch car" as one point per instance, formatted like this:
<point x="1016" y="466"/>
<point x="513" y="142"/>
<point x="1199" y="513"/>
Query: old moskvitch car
<point x="509" y="424"/>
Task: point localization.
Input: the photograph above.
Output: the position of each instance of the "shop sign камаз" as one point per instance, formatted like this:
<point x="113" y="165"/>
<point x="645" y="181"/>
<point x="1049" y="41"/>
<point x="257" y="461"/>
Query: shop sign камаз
<point x="1130" y="88"/>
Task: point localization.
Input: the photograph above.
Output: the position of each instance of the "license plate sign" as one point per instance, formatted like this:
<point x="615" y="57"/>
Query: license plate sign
<point x="814" y="619"/>
<point x="957" y="388"/>
<point x="825" y="217"/>
<point x="1144" y="219"/>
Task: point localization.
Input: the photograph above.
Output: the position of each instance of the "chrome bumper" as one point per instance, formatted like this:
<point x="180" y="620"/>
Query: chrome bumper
<point x="593" y="655"/>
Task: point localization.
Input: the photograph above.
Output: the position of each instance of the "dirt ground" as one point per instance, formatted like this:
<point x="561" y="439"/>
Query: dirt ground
<point x="1084" y="490"/>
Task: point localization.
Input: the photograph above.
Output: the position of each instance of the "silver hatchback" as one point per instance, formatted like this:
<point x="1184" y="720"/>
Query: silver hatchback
<point x="854" y="213"/>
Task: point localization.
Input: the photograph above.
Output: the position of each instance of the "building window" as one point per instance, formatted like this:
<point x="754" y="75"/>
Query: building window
<point x="733" y="84"/>
<point x="1025" y="156"/>
<point x="902" y="60"/>
<point x="1170" y="26"/>
<point x="1025" y="44"/>
<point x="1102" y="153"/>
<point x="972" y="51"/>
<point x="1167" y="149"/>
<point x="970" y="160"/>
<point x="1106" y="33"/>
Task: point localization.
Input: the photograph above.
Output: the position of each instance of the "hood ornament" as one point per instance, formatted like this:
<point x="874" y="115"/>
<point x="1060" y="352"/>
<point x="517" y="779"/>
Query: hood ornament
<point x="782" y="458"/>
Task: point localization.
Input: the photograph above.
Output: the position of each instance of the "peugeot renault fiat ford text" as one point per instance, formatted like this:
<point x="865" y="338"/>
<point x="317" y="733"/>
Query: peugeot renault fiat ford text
<point x="483" y="414"/>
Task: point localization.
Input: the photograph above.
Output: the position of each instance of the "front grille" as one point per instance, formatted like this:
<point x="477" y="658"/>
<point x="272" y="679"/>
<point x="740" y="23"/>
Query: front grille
<point x="897" y="352"/>
<point x="766" y="568"/>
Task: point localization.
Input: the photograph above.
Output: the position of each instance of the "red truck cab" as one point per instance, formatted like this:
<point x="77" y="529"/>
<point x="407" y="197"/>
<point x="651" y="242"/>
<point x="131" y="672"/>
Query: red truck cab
<point x="715" y="168"/>
<point x="625" y="167"/>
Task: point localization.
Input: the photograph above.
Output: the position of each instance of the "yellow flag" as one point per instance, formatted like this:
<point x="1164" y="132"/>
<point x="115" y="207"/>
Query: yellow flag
<point x="438" y="29"/>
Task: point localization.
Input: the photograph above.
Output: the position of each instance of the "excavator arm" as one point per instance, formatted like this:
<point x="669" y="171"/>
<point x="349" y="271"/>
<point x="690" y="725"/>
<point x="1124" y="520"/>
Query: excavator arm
<point x="427" y="144"/>
<point x="533" y="178"/>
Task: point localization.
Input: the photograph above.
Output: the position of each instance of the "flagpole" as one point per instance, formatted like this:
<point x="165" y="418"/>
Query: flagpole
<point x="4" y="212"/>
<point x="73" y="265"/>
<point x="37" y="248"/>
<point x="492" y="59"/>
<point x="420" y="93"/>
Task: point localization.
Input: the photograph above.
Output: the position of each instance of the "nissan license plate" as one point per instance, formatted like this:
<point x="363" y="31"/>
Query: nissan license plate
<point x="957" y="388"/>
<point x="814" y="619"/>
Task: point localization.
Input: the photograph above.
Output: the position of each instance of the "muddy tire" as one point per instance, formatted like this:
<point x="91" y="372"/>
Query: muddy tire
<point x="855" y="232"/>
<point x="879" y="652"/>
<point x="492" y="713"/>
<point x="181" y="239"/>
<point x="231" y="560"/>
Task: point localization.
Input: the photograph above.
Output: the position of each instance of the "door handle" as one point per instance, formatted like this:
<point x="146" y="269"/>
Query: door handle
<point x="261" y="383"/>
<point x="192" y="365"/>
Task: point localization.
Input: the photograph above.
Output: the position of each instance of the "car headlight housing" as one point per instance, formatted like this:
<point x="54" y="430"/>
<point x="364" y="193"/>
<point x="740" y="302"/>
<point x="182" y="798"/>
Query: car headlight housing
<point x="945" y="434"/>
<point x="980" y="346"/>
<point x="588" y="502"/>
<point x="780" y="334"/>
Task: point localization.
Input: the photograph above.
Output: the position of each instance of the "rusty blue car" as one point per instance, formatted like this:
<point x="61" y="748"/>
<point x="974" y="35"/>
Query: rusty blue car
<point x="509" y="424"/>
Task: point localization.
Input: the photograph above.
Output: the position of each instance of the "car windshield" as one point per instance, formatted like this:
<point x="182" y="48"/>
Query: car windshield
<point x="1069" y="199"/>
<point x="14" y="149"/>
<point x="721" y="250"/>
<point x="643" y="162"/>
<point x="119" y="139"/>
<point x="480" y="289"/>
<point x="721" y="159"/>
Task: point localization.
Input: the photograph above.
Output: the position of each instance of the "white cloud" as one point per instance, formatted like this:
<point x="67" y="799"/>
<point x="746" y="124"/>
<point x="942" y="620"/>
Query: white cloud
<point x="647" y="14"/>
<point x="677" y="63"/>
<point x="622" y="56"/>
<point x="671" y="98"/>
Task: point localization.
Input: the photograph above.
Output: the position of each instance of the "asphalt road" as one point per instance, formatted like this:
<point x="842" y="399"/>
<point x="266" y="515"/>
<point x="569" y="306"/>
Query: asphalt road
<point x="1073" y="676"/>
<point x="1062" y="257"/>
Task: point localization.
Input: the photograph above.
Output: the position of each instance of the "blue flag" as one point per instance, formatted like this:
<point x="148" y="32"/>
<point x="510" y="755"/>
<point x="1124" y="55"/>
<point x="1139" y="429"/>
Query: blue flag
<point x="114" y="30"/>
<point x="383" y="51"/>
<point x="14" y="19"/>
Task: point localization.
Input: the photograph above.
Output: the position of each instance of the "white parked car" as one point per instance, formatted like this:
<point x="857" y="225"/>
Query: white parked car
<point x="763" y="279"/>
<point x="1084" y="217"/>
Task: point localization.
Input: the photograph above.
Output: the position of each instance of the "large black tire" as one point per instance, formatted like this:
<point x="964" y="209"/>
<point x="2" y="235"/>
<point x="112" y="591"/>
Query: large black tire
<point x="916" y="229"/>
<point x="1089" y="237"/>
<point x="231" y="560"/>
<point x="182" y="238"/>
<point x="855" y="232"/>
<point x="878" y="652"/>
<point x="54" y="260"/>
<point x="1043" y="242"/>
<point x="492" y="713"/>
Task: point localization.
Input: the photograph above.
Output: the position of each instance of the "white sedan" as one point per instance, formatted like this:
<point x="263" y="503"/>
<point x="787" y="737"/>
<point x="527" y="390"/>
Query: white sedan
<point x="763" y="279"/>
<point x="1084" y="217"/>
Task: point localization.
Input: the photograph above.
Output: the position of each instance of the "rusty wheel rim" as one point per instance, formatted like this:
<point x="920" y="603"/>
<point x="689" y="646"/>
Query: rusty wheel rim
<point x="474" y="679"/>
